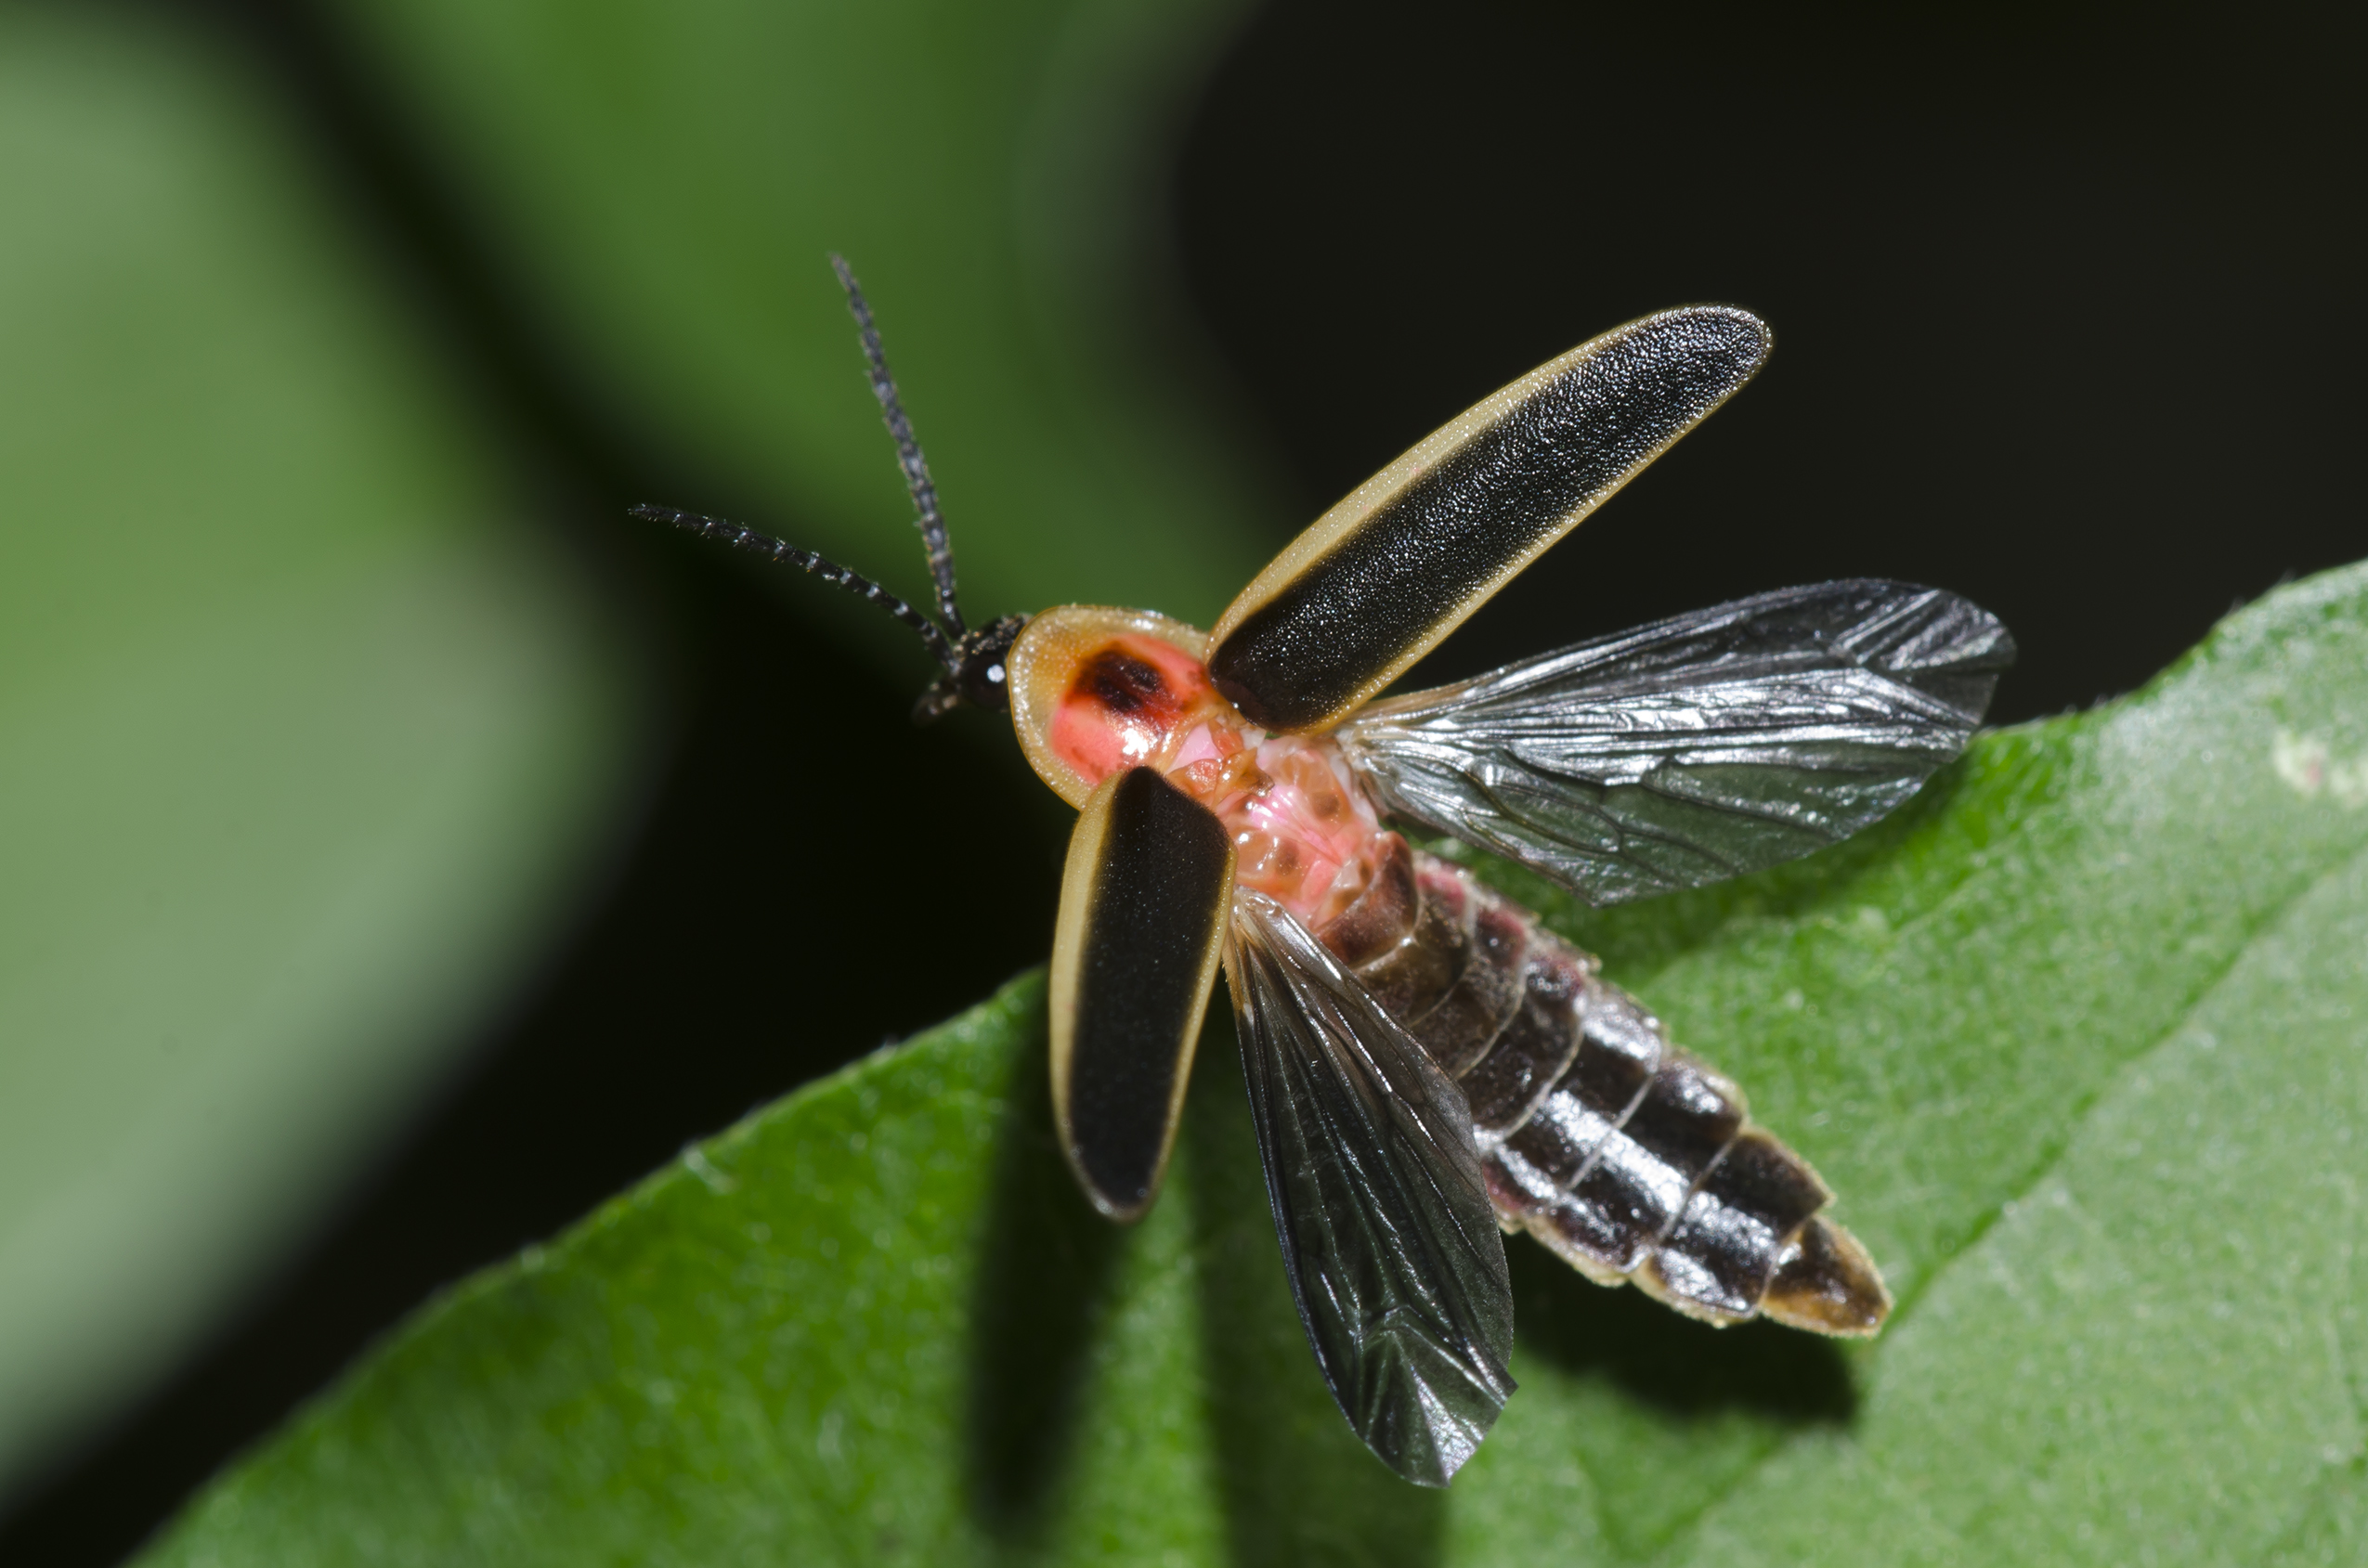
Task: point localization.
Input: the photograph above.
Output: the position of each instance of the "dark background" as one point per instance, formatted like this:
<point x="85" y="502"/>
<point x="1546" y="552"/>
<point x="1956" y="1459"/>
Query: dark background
<point x="2067" y="319"/>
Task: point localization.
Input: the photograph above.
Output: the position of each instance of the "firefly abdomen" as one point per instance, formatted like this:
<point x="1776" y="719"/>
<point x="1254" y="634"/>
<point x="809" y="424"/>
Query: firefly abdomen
<point x="1628" y="1158"/>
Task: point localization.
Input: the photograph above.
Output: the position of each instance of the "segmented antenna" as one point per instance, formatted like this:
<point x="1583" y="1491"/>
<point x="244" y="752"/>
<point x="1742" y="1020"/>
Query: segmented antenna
<point x="974" y="661"/>
<point x="909" y="454"/>
<point x="807" y="561"/>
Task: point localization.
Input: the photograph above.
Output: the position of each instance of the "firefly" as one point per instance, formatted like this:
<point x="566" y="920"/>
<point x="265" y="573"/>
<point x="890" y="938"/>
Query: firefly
<point x="1429" y="1067"/>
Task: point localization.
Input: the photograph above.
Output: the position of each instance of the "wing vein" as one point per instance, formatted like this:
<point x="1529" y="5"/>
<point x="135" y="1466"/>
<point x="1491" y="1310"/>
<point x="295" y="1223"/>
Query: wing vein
<point x="1387" y="1233"/>
<point x="1696" y="748"/>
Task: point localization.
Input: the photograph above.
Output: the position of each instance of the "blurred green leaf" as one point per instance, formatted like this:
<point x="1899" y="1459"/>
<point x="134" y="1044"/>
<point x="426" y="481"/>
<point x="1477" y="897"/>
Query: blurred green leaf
<point x="303" y="740"/>
<point x="666" y="180"/>
<point x="2079" y="1037"/>
<point x="300" y="739"/>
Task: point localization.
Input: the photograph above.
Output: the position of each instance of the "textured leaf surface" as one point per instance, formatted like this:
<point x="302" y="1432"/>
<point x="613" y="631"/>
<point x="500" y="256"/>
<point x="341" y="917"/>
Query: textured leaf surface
<point x="303" y="738"/>
<point x="2081" y="1038"/>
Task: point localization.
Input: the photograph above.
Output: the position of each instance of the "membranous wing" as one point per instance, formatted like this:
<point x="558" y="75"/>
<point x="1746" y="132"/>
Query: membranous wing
<point x="1392" y="1248"/>
<point x="1694" y="749"/>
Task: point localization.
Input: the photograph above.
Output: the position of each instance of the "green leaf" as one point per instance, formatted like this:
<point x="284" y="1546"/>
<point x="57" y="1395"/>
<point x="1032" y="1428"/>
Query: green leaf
<point x="304" y="740"/>
<point x="2079" y="1037"/>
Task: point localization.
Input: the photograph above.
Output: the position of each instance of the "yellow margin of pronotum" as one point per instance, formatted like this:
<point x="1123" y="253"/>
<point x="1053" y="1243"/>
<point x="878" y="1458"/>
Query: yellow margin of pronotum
<point x="1043" y="662"/>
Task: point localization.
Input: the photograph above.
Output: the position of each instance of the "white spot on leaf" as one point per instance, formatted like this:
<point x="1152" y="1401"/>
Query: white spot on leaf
<point x="2310" y="768"/>
<point x="714" y="1179"/>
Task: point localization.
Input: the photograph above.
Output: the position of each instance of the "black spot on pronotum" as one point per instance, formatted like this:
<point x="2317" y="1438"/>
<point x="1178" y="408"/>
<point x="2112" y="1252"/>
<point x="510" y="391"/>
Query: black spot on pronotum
<point x="1123" y="683"/>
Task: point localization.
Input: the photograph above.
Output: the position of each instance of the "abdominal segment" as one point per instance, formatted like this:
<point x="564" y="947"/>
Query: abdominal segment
<point x="1626" y="1156"/>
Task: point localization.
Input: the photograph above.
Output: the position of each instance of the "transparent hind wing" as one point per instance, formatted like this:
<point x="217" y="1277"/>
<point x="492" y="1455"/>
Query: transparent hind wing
<point x="1696" y="748"/>
<point x="1388" y="1235"/>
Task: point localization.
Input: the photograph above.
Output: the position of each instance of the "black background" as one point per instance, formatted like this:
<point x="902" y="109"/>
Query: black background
<point x="2068" y="315"/>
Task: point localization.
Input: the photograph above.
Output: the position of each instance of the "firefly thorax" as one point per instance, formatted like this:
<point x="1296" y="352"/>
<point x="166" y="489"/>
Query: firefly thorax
<point x="1095" y="690"/>
<point x="974" y="661"/>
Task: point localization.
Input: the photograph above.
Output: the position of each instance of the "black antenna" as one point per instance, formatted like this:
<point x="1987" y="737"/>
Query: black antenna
<point x="807" y="561"/>
<point x="931" y="522"/>
<point x="973" y="660"/>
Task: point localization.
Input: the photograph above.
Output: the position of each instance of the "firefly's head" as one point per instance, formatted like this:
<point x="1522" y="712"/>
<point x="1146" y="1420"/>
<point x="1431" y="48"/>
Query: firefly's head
<point x="980" y="676"/>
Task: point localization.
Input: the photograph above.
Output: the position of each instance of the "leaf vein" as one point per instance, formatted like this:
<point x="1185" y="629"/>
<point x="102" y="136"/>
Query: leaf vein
<point x="2046" y="1165"/>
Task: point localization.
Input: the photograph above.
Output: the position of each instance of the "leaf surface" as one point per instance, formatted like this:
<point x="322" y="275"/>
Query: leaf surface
<point x="2078" y="1038"/>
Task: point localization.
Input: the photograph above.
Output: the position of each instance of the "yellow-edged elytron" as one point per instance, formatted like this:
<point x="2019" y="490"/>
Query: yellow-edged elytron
<point x="1427" y="1064"/>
